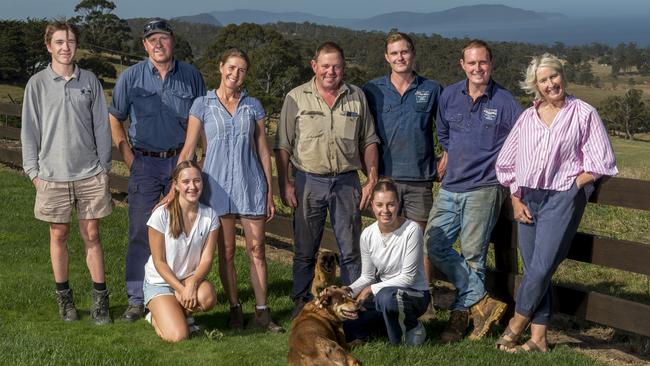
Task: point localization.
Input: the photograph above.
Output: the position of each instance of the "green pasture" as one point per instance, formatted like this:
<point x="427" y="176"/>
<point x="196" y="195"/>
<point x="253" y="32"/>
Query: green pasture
<point x="33" y="334"/>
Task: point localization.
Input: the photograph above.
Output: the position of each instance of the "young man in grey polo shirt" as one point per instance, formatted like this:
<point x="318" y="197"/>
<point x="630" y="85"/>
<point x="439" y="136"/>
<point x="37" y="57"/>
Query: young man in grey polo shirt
<point x="66" y="143"/>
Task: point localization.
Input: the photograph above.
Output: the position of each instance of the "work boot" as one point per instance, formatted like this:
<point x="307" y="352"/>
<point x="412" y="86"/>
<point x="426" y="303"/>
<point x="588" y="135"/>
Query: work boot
<point x="486" y="313"/>
<point x="429" y="315"/>
<point x="67" y="311"/>
<point x="99" y="308"/>
<point x="455" y="330"/>
<point x="262" y="320"/>
<point x="236" y="317"/>
<point x="133" y="312"/>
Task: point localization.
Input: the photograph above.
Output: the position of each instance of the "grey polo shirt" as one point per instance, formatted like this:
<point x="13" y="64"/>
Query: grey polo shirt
<point x="65" y="133"/>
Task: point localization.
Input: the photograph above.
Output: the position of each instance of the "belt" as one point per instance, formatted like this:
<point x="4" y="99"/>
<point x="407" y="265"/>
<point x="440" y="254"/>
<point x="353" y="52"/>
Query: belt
<point x="328" y="175"/>
<point x="160" y="154"/>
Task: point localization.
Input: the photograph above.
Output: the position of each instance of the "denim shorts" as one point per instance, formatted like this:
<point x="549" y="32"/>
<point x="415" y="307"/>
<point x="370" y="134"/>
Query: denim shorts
<point x="154" y="290"/>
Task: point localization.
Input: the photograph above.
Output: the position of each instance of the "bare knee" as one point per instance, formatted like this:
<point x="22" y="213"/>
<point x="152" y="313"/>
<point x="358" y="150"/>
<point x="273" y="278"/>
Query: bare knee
<point x="257" y="252"/>
<point x="175" y="335"/>
<point x="59" y="233"/>
<point x="207" y="296"/>
<point x="89" y="234"/>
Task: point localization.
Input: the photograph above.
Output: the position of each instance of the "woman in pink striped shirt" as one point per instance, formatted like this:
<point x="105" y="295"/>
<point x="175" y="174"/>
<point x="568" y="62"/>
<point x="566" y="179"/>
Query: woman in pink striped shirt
<point x="550" y="160"/>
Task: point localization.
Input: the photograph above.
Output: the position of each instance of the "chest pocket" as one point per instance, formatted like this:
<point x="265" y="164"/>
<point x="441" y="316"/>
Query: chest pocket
<point x="146" y="104"/>
<point x="345" y="124"/>
<point x="181" y="102"/>
<point x="456" y="123"/>
<point x="82" y="97"/>
<point x="310" y="124"/>
<point x="489" y="128"/>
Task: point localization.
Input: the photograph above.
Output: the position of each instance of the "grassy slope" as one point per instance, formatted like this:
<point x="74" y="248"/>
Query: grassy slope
<point x="32" y="333"/>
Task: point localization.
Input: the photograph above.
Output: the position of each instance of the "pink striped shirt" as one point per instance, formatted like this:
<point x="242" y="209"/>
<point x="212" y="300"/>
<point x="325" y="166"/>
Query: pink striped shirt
<point x="541" y="157"/>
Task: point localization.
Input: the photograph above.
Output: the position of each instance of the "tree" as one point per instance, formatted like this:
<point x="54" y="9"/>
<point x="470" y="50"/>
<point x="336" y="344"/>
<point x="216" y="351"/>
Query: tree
<point x="101" y="29"/>
<point x="36" y="55"/>
<point x="98" y="66"/>
<point x="276" y="63"/>
<point x="12" y="51"/>
<point x="627" y="114"/>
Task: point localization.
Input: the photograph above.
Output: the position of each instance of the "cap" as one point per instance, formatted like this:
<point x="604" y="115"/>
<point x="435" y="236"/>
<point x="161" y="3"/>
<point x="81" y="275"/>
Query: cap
<point x="156" y="25"/>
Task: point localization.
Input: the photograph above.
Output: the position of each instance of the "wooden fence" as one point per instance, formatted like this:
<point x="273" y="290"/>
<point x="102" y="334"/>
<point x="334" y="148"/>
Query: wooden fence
<point x="503" y="281"/>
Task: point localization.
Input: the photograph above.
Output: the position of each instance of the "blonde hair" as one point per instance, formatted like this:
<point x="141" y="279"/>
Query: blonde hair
<point x="174" y="206"/>
<point x="529" y="85"/>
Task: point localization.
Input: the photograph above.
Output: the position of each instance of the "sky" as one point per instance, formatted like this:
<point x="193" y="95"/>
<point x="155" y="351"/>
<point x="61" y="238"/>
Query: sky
<point x="21" y="9"/>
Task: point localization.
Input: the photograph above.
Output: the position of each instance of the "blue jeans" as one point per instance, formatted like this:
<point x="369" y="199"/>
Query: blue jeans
<point x="316" y="195"/>
<point x="150" y="177"/>
<point x="544" y="244"/>
<point x="471" y="215"/>
<point x="393" y="311"/>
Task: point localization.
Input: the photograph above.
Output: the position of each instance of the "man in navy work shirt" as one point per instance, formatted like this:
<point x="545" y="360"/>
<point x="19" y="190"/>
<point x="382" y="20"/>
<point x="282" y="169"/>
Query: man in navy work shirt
<point x="156" y="95"/>
<point x="403" y="105"/>
<point x="474" y="118"/>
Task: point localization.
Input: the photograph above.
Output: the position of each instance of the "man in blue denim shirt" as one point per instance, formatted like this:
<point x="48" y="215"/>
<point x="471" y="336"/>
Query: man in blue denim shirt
<point x="156" y="95"/>
<point x="404" y="105"/>
<point x="474" y="119"/>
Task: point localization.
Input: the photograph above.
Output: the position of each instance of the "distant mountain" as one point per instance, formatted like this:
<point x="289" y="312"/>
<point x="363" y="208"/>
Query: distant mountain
<point x="459" y="16"/>
<point x="203" y="18"/>
<point x="263" y="17"/>
<point x="407" y="21"/>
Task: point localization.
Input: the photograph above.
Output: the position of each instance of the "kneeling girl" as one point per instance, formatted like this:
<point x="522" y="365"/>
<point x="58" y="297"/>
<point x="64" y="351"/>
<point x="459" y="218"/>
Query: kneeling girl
<point x="182" y="237"/>
<point x="392" y="286"/>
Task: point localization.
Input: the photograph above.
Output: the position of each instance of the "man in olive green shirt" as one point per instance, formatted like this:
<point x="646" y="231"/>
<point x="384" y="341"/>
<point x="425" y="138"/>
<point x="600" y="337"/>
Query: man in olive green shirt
<point x="327" y="133"/>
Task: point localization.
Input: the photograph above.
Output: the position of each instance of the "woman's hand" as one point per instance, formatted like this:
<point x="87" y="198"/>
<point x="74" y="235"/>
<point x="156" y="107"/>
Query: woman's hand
<point x="521" y="213"/>
<point x="189" y="298"/>
<point x="270" y="207"/>
<point x="364" y="294"/>
<point x="583" y="179"/>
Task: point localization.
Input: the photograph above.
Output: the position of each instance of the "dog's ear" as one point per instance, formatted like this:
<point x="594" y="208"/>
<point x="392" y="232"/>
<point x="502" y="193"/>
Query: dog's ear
<point x="317" y="255"/>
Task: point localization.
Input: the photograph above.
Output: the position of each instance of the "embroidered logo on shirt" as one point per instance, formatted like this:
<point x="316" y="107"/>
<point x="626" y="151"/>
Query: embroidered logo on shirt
<point x="85" y="91"/>
<point x="422" y="96"/>
<point x="489" y="114"/>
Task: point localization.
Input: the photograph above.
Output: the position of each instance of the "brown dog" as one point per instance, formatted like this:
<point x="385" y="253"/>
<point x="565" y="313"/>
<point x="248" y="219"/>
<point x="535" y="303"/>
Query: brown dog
<point x="325" y="271"/>
<point x="317" y="336"/>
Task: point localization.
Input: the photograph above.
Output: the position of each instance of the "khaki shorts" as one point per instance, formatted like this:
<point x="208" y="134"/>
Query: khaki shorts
<point x="90" y="196"/>
<point x="416" y="199"/>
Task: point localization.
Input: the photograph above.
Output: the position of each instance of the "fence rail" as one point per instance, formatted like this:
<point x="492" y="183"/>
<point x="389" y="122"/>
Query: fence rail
<point x="503" y="281"/>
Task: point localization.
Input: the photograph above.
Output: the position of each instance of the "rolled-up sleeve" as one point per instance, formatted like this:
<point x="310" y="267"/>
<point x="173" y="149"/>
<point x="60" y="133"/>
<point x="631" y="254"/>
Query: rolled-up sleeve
<point x="286" y="133"/>
<point x="506" y="161"/>
<point x="598" y="156"/>
<point x="368" y="135"/>
<point x="442" y="126"/>
<point x="119" y="107"/>
<point x="30" y="132"/>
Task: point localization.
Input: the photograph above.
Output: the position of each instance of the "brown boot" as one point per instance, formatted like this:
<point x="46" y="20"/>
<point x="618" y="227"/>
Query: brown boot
<point x="485" y="314"/>
<point x="262" y="320"/>
<point x="455" y="330"/>
<point x="236" y="317"/>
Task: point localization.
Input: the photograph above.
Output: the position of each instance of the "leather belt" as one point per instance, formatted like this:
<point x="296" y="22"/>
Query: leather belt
<point x="160" y="154"/>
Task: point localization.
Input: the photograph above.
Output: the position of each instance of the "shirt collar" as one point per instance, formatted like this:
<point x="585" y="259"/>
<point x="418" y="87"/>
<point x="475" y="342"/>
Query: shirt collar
<point x="153" y="69"/>
<point x="55" y="76"/>
<point x="212" y="94"/>
<point x="343" y="89"/>
<point x="489" y="90"/>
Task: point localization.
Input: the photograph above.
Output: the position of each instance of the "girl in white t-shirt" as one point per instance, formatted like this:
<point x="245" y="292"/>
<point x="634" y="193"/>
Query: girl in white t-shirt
<point x="182" y="237"/>
<point x="392" y="286"/>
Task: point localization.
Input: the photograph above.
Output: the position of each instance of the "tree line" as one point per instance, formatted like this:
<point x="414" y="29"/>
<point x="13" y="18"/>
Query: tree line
<point x="280" y="55"/>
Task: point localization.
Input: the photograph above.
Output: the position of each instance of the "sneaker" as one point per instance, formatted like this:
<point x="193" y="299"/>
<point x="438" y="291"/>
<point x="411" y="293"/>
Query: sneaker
<point x="485" y="314"/>
<point x="133" y="312"/>
<point x="455" y="330"/>
<point x="416" y="335"/>
<point x="262" y="320"/>
<point x="297" y="308"/>
<point x="99" y="309"/>
<point x="236" y="317"/>
<point x="147" y="317"/>
<point x="67" y="310"/>
<point x="193" y="328"/>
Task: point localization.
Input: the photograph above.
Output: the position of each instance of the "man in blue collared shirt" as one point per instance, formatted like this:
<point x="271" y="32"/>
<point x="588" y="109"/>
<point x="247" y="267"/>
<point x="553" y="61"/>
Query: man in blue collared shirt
<point x="156" y="95"/>
<point x="403" y="105"/>
<point x="474" y="119"/>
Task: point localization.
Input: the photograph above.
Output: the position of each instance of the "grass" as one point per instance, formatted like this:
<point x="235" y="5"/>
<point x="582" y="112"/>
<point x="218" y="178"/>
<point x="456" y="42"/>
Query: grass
<point x="32" y="333"/>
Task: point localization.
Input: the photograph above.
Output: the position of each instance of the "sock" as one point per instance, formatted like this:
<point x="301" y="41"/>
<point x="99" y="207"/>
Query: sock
<point x="62" y="286"/>
<point x="99" y="286"/>
<point x="260" y="307"/>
